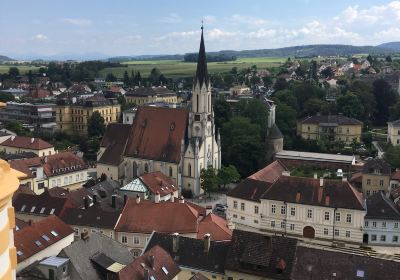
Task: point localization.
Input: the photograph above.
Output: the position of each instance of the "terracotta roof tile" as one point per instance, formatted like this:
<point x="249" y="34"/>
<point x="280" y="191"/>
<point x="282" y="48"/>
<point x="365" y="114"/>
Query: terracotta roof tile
<point x="157" y="134"/>
<point x="270" y="173"/>
<point x="158" y="182"/>
<point x="47" y="231"/>
<point x="216" y="226"/>
<point x="396" y="175"/>
<point x="249" y="189"/>
<point x="26" y="143"/>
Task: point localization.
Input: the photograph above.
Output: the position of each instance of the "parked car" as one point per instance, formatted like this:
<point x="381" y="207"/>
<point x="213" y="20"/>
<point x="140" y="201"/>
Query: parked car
<point x="220" y="207"/>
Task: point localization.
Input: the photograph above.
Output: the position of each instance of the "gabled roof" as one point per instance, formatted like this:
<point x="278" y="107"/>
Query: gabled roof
<point x="36" y="237"/>
<point x="333" y="193"/>
<point x="377" y="164"/>
<point x="157" y="134"/>
<point x="158" y="182"/>
<point x="331" y="119"/>
<point x="381" y="207"/>
<point x="114" y="142"/>
<point x="258" y="254"/>
<point x="216" y="226"/>
<point x="165" y="216"/>
<point x="157" y="261"/>
<point x="26" y="143"/>
<point x="191" y="252"/>
<point x="270" y="173"/>
<point x="81" y="252"/>
<point x="249" y="189"/>
<point x="74" y="196"/>
<point x="42" y="205"/>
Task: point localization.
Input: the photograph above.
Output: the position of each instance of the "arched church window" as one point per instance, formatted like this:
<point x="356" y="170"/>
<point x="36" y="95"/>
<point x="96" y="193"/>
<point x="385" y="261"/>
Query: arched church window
<point x="197" y="102"/>
<point x="134" y="170"/>
<point x="170" y="171"/>
<point x="146" y="167"/>
<point x="189" y="170"/>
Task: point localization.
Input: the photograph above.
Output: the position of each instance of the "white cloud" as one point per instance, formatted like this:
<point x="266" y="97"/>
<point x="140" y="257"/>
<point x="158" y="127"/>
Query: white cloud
<point x="77" y="21"/>
<point x="171" y="18"/>
<point x="218" y="34"/>
<point x="209" y="19"/>
<point x="248" y="20"/>
<point x="263" y="33"/>
<point x="40" y="37"/>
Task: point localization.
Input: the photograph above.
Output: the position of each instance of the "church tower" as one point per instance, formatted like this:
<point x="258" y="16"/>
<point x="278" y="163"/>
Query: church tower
<point x="204" y="143"/>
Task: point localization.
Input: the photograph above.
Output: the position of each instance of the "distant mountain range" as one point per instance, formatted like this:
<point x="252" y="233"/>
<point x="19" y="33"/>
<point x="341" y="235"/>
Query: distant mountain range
<point x="298" y="51"/>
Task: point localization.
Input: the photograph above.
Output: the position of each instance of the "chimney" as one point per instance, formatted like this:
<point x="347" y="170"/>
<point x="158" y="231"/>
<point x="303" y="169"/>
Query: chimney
<point x="315" y="176"/>
<point x="157" y="197"/>
<point x="146" y="274"/>
<point x="85" y="202"/>
<point x="321" y="181"/>
<point x="207" y="242"/>
<point x="327" y="199"/>
<point x="30" y="222"/>
<point x="113" y="201"/>
<point x="181" y="200"/>
<point x="137" y="199"/>
<point x="208" y="209"/>
<point x="151" y="261"/>
<point x="45" y="159"/>
<point x="12" y="138"/>
<point x="125" y="199"/>
<point x="175" y="242"/>
<point x="94" y="199"/>
<point x="172" y="198"/>
<point x="285" y="173"/>
<point x="32" y="140"/>
<point x="344" y="179"/>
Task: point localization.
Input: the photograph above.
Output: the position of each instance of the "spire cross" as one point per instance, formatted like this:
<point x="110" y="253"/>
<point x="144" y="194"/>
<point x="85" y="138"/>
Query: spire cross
<point x="201" y="24"/>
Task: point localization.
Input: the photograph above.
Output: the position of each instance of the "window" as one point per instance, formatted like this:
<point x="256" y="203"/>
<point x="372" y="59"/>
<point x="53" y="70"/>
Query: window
<point x="326" y="231"/>
<point x="327" y="216"/>
<point x="242" y="206"/>
<point x="273" y="224"/>
<point x="19" y="253"/>
<point x="189" y="170"/>
<point x="337" y="217"/>
<point x="293" y="211"/>
<point x="395" y="238"/>
<point x="242" y="218"/>
<point x="38" y="243"/>
<point x="396" y="225"/>
<point x="76" y="231"/>
<point x="146" y="168"/>
<point x="136" y="253"/>
<point x="336" y="232"/>
<point x="256" y="221"/>
<point x="41" y="186"/>
<point x="366" y="223"/>
<point x="373" y="237"/>
<point x="45" y="237"/>
<point x="235" y="204"/>
<point x="273" y="208"/>
<point x="136" y="240"/>
<point x="348" y="234"/>
<point x="54" y="233"/>
<point x="234" y="215"/>
<point x="291" y="226"/>
<point x="170" y="171"/>
<point x="33" y="209"/>
<point x="383" y="238"/>
<point x="255" y="209"/>
<point x="368" y="182"/>
<point x="309" y="213"/>
<point x="124" y="239"/>
<point x="381" y="182"/>
<point x="368" y="192"/>
<point x="383" y="224"/>
<point x="23" y="208"/>
<point x="373" y="224"/>
<point x="348" y="218"/>
<point x="283" y="210"/>
<point x="65" y="180"/>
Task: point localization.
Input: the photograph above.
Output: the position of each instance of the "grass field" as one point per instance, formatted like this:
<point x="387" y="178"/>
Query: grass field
<point x="177" y="68"/>
<point x="22" y="68"/>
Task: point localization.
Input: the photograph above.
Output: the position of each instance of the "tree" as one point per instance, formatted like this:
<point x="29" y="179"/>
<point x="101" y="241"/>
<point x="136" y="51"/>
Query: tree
<point x="267" y="80"/>
<point x="208" y="179"/>
<point x="392" y="156"/>
<point x="327" y="72"/>
<point x="281" y="84"/>
<point x="222" y="111"/>
<point x="126" y="79"/>
<point x="111" y="78"/>
<point x="385" y="97"/>
<point x="388" y="58"/>
<point x="228" y="174"/>
<point x="15" y="126"/>
<point x="370" y="59"/>
<point x="96" y="126"/>
<point x="13" y="72"/>
<point x="5" y="97"/>
<point x="365" y="94"/>
<point x="350" y="106"/>
<point x="154" y="77"/>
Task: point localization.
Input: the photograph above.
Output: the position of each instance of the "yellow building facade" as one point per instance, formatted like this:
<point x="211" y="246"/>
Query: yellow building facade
<point x="73" y="118"/>
<point x="333" y="128"/>
<point x="145" y="95"/>
<point x="8" y="257"/>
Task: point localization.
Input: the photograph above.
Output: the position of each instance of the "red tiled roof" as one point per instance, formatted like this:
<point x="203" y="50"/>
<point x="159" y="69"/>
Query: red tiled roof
<point x="75" y="196"/>
<point x="164" y="267"/>
<point x="147" y="216"/>
<point x="114" y="142"/>
<point x="40" y="93"/>
<point x="157" y="134"/>
<point x="216" y="226"/>
<point x="51" y="227"/>
<point x="356" y="178"/>
<point x="26" y="143"/>
<point x="53" y="165"/>
<point x="158" y="182"/>
<point x="270" y="173"/>
<point x="396" y="175"/>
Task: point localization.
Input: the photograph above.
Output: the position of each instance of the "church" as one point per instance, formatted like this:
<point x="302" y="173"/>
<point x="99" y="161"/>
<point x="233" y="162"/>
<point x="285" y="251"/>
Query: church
<point x="178" y="142"/>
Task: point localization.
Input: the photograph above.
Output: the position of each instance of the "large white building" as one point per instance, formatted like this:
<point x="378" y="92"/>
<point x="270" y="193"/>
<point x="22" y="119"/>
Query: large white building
<point x="310" y="208"/>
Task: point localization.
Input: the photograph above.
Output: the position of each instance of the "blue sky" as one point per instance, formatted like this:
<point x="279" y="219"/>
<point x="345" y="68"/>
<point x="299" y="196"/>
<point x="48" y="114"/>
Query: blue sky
<point x="129" y="27"/>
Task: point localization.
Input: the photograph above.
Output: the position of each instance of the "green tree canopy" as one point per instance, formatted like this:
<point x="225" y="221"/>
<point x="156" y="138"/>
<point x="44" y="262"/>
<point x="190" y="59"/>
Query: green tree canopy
<point x="385" y="97"/>
<point x="392" y="156"/>
<point x="13" y="72"/>
<point x="96" y="126"/>
<point x="208" y="179"/>
<point x="350" y="106"/>
<point x="228" y="174"/>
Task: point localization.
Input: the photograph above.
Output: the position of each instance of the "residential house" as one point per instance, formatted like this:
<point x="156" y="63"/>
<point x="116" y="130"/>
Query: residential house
<point x="36" y="115"/>
<point x="140" y="218"/>
<point x="9" y="184"/>
<point x="40" y="240"/>
<point x="393" y="135"/>
<point x="144" y="95"/>
<point x="153" y="186"/>
<point x="193" y="255"/>
<point x="381" y="223"/>
<point x="333" y="128"/>
<point x="376" y="175"/>
<point x="102" y="189"/>
<point x="73" y="117"/>
<point x="395" y="180"/>
<point x="177" y="142"/>
<point x="156" y="263"/>
<point x="74" y="196"/>
<point x="58" y="170"/>
<point x="22" y="144"/>
<point x="305" y="208"/>
<point x="239" y="90"/>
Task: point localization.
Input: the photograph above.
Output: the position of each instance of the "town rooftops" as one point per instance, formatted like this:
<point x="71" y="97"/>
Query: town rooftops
<point x="266" y="256"/>
<point x="157" y="133"/>
<point x="330" y="120"/>
<point x="192" y="253"/>
<point x="376" y="166"/>
<point x="36" y="237"/>
<point x="151" y="91"/>
<point x="114" y="142"/>
<point x="156" y="263"/>
<point x="74" y="196"/>
<point x="270" y="173"/>
<point x="23" y="142"/>
<point x="42" y="205"/>
<point x="315" y="156"/>
<point x="381" y="207"/>
<point x="216" y="226"/>
<point x="81" y="252"/>
<point x="317" y="192"/>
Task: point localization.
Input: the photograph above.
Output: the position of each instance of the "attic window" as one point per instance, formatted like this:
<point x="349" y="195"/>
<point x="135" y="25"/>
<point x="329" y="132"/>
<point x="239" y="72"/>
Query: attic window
<point x="19" y="253"/>
<point x="45" y="237"/>
<point x="165" y="270"/>
<point x="42" y="210"/>
<point x="23" y="208"/>
<point x="54" y="233"/>
<point x="152" y="278"/>
<point x="52" y="211"/>
<point x="33" y="208"/>
<point x="360" y="273"/>
<point x="38" y="243"/>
